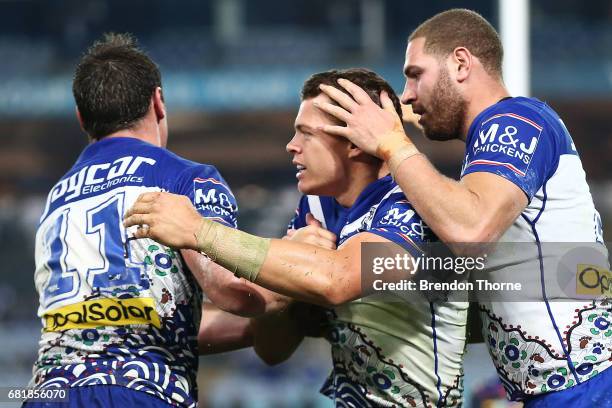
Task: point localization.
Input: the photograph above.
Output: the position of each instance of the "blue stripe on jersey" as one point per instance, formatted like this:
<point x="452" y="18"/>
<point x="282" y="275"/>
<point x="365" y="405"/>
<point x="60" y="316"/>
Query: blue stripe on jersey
<point x="532" y="224"/>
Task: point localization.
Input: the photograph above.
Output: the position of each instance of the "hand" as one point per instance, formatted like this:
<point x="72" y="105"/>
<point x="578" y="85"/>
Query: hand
<point x="373" y="129"/>
<point x="313" y="234"/>
<point x="169" y="219"/>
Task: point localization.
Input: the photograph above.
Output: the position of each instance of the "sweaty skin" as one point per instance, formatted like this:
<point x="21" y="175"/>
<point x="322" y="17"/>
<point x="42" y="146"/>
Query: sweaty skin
<point x="302" y="271"/>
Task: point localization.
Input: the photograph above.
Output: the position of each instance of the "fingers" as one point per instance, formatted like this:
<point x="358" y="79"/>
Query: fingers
<point x="328" y="235"/>
<point x="358" y="94"/>
<point x="138" y="219"/>
<point x="140" y="207"/>
<point x="334" y="110"/>
<point x="340" y="97"/>
<point x="290" y="233"/>
<point x="334" y="130"/>
<point x="325" y="243"/>
<point x="319" y="242"/>
<point x="311" y="220"/>
<point x="148" y="197"/>
<point x="386" y="102"/>
<point x="314" y="235"/>
<point x="143" y="231"/>
<point x="409" y="116"/>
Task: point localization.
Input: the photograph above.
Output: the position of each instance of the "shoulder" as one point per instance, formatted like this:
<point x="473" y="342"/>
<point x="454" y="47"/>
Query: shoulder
<point x="519" y="117"/>
<point x="179" y="163"/>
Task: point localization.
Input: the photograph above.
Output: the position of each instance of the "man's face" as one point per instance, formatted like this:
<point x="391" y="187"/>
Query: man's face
<point x="432" y="94"/>
<point x="322" y="160"/>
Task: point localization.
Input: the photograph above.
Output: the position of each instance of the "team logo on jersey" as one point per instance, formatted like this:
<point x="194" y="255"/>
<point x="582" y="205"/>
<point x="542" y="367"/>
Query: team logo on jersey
<point x="102" y="312"/>
<point x="213" y="196"/>
<point x="507" y="140"/>
<point x="403" y="217"/>
<point x="97" y="178"/>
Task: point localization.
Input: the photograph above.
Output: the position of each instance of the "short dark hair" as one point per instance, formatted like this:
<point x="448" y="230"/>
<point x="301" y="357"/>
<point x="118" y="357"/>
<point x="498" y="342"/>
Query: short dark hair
<point x="462" y="28"/>
<point x="368" y="80"/>
<point x="113" y="84"/>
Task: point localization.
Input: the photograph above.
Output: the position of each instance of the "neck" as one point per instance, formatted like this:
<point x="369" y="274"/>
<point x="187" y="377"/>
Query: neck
<point x="488" y="93"/>
<point x="359" y="177"/>
<point x="142" y="131"/>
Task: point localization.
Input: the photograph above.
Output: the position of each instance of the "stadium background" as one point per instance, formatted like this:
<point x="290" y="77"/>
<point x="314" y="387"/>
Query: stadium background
<point x="231" y="71"/>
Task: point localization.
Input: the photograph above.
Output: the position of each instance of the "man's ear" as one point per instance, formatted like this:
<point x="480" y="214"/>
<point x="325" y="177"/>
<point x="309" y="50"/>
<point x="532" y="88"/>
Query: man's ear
<point x="462" y="61"/>
<point x="80" y="119"/>
<point x="158" y="104"/>
<point x="354" y="151"/>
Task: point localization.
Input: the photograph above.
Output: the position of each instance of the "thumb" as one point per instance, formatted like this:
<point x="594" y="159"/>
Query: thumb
<point x="386" y="102"/>
<point x="311" y="220"/>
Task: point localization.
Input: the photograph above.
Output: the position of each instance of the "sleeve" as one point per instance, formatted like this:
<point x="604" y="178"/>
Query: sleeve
<point x="397" y="221"/>
<point x="299" y="218"/>
<point x="516" y="146"/>
<point x="210" y="194"/>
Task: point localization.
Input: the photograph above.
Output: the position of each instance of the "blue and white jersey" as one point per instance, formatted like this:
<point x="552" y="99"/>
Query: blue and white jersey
<point x="550" y="341"/>
<point x="396" y="353"/>
<point x="116" y="310"/>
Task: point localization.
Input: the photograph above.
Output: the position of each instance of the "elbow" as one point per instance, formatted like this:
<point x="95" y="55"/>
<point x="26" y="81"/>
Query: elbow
<point x="239" y="302"/>
<point x="272" y="360"/>
<point x="473" y="241"/>
<point x="337" y="292"/>
<point x="335" y="284"/>
<point x="335" y="297"/>
<point x="245" y="308"/>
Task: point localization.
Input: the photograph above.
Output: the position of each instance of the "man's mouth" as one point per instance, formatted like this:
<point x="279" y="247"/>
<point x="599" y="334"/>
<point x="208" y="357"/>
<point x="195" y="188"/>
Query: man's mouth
<point x="300" y="170"/>
<point x="418" y="111"/>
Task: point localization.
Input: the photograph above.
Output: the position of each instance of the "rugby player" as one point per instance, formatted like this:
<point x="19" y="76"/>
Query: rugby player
<point x="522" y="181"/>
<point x="121" y="316"/>
<point x="406" y="353"/>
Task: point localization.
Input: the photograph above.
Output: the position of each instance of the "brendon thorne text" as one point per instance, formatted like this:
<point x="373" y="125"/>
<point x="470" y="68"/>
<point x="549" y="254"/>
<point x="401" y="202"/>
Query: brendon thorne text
<point x="423" y="285"/>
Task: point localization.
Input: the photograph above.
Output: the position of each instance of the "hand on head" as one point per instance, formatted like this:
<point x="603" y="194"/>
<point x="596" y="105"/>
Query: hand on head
<point x="368" y="126"/>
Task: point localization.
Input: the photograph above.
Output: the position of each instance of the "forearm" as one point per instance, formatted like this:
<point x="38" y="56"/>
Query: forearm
<point x="221" y="331"/>
<point x="276" y="336"/>
<point x="448" y="207"/>
<point x="228" y="292"/>
<point x="300" y="271"/>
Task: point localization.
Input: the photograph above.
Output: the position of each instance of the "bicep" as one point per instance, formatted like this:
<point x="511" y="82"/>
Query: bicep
<point x="499" y="203"/>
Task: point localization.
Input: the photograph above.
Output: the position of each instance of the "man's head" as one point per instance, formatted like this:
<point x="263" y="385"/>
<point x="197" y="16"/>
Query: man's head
<point x="326" y="164"/>
<point x="115" y="86"/>
<point x="447" y="57"/>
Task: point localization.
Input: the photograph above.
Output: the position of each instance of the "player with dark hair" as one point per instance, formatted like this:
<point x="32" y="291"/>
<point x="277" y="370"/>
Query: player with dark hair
<point x="121" y="316"/>
<point x="385" y="353"/>
<point x="522" y="181"/>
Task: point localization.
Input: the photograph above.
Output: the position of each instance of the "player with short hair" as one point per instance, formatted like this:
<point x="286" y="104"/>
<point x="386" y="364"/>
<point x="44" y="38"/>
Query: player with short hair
<point x="385" y="353"/>
<point x="522" y="181"/>
<point x="121" y="316"/>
